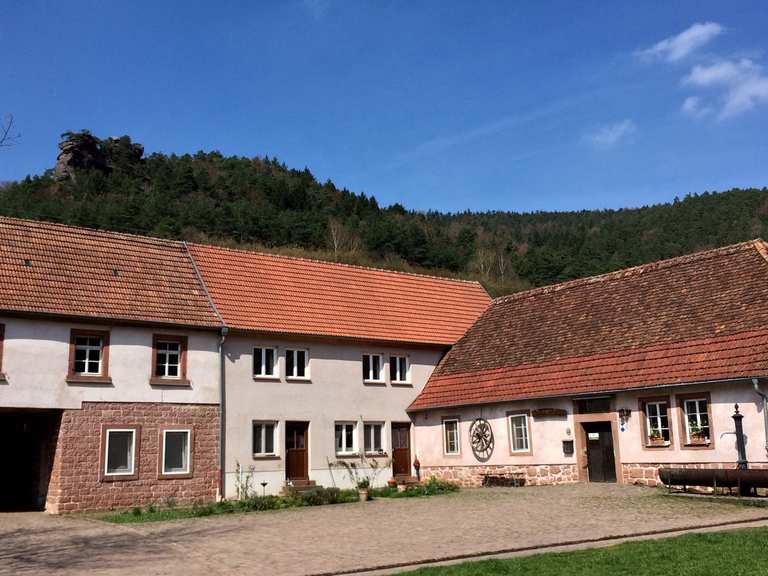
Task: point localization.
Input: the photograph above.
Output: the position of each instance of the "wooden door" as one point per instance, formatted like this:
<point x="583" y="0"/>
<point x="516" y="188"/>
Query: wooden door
<point x="600" y="459"/>
<point x="401" y="449"/>
<point x="296" y="441"/>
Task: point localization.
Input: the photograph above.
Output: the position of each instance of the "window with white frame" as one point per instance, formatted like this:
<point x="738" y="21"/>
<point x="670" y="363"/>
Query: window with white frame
<point x="264" y="362"/>
<point x="120" y="448"/>
<point x="451" y="436"/>
<point x="345" y="437"/>
<point x="264" y="438"/>
<point x="656" y="422"/>
<point x="696" y="420"/>
<point x="373" y="434"/>
<point x="398" y="369"/>
<point x="176" y="446"/>
<point x="88" y="355"/>
<point x="518" y="432"/>
<point x="372" y="364"/>
<point x="297" y="363"/>
<point x="168" y="359"/>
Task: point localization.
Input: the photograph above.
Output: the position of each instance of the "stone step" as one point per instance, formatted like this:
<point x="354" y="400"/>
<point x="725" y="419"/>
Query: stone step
<point x="299" y="486"/>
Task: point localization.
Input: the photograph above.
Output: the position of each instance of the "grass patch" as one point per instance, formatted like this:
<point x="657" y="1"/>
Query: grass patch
<point x="736" y="552"/>
<point x="431" y="487"/>
<point x="315" y="497"/>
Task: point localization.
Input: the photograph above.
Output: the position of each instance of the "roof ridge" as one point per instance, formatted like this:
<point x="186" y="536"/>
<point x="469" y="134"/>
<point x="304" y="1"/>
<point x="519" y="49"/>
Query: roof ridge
<point x="72" y="227"/>
<point x="757" y="244"/>
<point x="341" y="264"/>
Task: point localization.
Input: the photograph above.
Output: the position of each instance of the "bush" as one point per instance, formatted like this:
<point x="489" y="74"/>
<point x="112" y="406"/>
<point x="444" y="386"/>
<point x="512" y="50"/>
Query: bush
<point x="136" y="511"/>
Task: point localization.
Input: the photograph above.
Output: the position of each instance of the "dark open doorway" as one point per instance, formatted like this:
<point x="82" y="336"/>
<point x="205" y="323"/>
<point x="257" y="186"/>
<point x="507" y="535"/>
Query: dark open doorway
<point x="601" y="462"/>
<point x="27" y="450"/>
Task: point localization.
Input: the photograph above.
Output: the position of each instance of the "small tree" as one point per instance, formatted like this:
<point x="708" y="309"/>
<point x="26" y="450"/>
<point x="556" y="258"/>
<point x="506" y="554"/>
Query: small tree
<point x="8" y="134"/>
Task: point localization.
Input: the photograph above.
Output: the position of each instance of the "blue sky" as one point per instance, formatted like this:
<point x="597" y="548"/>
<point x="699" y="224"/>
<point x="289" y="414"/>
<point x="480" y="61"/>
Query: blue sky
<point x="436" y="105"/>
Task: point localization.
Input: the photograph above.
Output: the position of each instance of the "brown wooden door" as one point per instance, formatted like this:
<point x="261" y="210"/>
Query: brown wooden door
<point x="401" y="449"/>
<point x="296" y="441"/>
<point x="600" y="459"/>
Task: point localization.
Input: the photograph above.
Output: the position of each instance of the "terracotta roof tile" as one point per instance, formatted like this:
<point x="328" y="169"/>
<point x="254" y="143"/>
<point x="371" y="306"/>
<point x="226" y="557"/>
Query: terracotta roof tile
<point x="268" y="293"/>
<point x="63" y="270"/>
<point x="697" y="317"/>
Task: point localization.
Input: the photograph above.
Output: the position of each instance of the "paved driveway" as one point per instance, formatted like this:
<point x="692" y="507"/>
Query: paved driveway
<point x="328" y="539"/>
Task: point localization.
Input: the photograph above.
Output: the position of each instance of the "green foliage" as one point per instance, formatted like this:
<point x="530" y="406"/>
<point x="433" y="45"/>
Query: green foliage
<point x="432" y="487"/>
<point x="260" y="203"/>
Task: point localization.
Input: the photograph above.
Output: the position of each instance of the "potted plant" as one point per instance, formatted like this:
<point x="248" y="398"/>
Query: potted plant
<point x="656" y="439"/>
<point x="362" y="489"/>
<point x="698" y="436"/>
<point x="392" y="483"/>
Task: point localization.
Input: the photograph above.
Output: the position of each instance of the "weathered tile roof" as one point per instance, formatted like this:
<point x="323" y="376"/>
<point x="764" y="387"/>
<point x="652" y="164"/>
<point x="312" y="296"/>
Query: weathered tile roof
<point x="693" y="318"/>
<point x="278" y="294"/>
<point x="63" y="270"/>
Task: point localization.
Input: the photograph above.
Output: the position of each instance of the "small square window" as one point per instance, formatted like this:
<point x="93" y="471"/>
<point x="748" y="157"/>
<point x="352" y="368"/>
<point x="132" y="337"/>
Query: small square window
<point x="264" y="362"/>
<point x="297" y="363"/>
<point x="372" y="364"/>
<point x="345" y="437"/>
<point x="120" y="450"/>
<point x="373" y="434"/>
<point x="176" y="448"/>
<point x="88" y="355"/>
<point x="264" y="438"/>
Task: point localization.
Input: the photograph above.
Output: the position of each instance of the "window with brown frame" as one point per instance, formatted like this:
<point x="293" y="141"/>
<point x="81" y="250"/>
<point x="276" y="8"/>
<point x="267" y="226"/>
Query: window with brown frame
<point x="696" y="420"/>
<point x="88" y="356"/>
<point x="169" y="360"/>
<point x="657" y="431"/>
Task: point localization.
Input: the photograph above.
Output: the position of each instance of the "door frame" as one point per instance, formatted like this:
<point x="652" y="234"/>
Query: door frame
<point x="581" y="442"/>
<point x="394" y="425"/>
<point x="288" y="424"/>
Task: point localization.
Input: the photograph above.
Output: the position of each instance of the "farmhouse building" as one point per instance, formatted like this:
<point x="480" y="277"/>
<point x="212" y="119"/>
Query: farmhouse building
<point x="606" y="378"/>
<point x="118" y="353"/>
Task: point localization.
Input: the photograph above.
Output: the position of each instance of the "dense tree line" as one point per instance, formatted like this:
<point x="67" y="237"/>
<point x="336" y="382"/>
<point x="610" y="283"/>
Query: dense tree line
<point x="261" y="203"/>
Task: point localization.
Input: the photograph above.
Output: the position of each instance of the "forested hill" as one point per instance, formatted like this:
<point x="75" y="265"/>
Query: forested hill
<point x="260" y="203"/>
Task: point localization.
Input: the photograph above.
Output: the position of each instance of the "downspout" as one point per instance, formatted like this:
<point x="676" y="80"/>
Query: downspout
<point x="764" y="396"/>
<point x="222" y="412"/>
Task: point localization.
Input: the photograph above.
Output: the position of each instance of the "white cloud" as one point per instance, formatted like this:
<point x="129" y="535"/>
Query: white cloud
<point x="675" y="48"/>
<point x="743" y="81"/>
<point x="611" y="135"/>
<point x="692" y="106"/>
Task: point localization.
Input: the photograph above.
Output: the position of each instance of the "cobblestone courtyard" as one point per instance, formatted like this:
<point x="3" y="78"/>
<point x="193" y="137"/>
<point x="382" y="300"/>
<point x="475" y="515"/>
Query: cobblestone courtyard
<point x="350" y="536"/>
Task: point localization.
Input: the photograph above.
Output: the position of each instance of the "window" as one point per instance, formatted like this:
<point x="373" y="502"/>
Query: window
<point x="169" y="359"/>
<point x="657" y="423"/>
<point x="451" y="436"/>
<point x="176" y="445"/>
<point x="398" y="369"/>
<point x="345" y="437"/>
<point x="518" y="433"/>
<point x="372" y="368"/>
<point x="297" y="364"/>
<point x="264" y="438"/>
<point x="264" y="362"/>
<point x="373" y="434"/>
<point x="696" y="420"/>
<point x="89" y="353"/>
<point x="120" y="452"/>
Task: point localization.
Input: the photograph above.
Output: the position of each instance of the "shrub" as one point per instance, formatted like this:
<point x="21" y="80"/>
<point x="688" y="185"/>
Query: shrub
<point x="136" y="511"/>
<point x="151" y="509"/>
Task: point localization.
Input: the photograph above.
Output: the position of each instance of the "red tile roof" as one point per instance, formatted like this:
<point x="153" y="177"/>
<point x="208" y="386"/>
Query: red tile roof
<point x="54" y="269"/>
<point x="278" y="294"/>
<point x="688" y="319"/>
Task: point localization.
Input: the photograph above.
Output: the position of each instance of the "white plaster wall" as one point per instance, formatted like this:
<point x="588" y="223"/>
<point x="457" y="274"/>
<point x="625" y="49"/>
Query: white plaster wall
<point x="335" y="392"/>
<point x="546" y="435"/>
<point x="723" y="397"/>
<point x="36" y="356"/>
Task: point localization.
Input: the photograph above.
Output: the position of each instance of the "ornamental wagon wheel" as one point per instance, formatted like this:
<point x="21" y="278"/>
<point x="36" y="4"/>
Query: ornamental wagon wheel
<point x="481" y="439"/>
